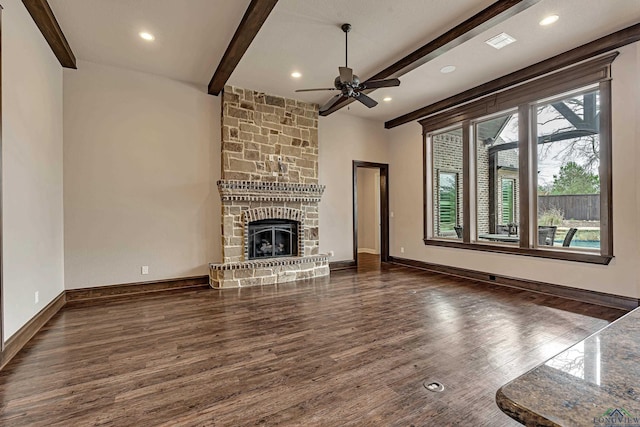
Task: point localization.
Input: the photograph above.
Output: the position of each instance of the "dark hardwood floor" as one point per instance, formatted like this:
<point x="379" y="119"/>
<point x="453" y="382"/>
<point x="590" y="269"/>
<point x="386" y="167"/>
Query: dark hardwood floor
<point x="368" y="262"/>
<point x="350" y="351"/>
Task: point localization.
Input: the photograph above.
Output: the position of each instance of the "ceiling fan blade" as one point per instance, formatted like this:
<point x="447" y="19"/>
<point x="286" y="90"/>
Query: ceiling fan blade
<point x="366" y="100"/>
<point x="311" y="90"/>
<point x="346" y="74"/>
<point x="331" y="102"/>
<point x="375" y="84"/>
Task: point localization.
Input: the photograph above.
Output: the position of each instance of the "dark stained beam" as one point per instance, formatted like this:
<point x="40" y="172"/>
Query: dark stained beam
<point x="604" y="44"/>
<point x="498" y="12"/>
<point x="46" y="21"/>
<point x="252" y="21"/>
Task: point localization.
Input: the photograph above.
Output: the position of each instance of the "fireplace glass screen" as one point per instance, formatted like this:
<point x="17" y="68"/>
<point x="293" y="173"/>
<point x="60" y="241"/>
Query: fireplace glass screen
<point x="271" y="238"/>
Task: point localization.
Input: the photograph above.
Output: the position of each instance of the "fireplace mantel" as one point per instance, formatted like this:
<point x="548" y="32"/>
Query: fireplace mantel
<point x="259" y="191"/>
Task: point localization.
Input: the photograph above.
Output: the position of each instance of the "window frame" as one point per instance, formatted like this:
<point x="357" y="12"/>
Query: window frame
<point x="595" y="72"/>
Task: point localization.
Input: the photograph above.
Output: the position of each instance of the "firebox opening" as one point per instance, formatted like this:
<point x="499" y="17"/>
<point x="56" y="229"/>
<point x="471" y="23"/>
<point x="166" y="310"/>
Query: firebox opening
<point x="271" y="238"/>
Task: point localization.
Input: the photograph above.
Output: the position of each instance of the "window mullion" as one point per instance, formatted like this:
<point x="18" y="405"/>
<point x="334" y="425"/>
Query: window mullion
<point x="466" y="182"/>
<point x="524" y="173"/>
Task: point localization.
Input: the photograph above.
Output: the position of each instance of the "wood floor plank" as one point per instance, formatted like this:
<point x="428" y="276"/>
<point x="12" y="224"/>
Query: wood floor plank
<point x="354" y="349"/>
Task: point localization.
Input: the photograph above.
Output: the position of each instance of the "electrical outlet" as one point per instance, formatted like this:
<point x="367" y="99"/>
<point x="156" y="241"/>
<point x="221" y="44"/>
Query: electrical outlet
<point x="402" y="250"/>
<point x="391" y="214"/>
<point x="36" y="297"/>
<point x="330" y="253"/>
<point x="145" y="269"/>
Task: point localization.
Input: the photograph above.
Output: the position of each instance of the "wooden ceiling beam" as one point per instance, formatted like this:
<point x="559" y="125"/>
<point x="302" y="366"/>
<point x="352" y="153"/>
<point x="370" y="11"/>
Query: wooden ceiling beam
<point x="498" y="12"/>
<point x="602" y="45"/>
<point x="46" y="21"/>
<point x="252" y="21"/>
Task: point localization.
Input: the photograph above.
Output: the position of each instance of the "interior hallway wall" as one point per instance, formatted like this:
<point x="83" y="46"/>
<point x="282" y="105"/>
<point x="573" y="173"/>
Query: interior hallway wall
<point x="368" y="210"/>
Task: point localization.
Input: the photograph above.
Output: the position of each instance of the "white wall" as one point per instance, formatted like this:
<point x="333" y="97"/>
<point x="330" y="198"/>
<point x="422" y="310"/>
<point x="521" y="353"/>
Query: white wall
<point x="141" y="160"/>
<point x="619" y="277"/>
<point x="33" y="259"/>
<point x="342" y="139"/>
<point x="368" y="210"/>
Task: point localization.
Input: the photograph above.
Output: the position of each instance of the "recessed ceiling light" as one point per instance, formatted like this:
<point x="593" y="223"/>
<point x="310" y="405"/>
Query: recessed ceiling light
<point x="146" y="36"/>
<point x="296" y="75"/>
<point x="387" y="99"/>
<point x="549" y="20"/>
<point x="500" y="41"/>
<point x="448" y="69"/>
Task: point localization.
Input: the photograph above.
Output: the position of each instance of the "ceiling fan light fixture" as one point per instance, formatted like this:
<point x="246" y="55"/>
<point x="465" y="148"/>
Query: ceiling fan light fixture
<point x="500" y="41"/>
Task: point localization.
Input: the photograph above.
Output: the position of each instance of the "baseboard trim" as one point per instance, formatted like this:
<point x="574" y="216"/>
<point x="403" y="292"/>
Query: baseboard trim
<point x="342" y="265"/>
<point x="583" y="295"/>
<point x="18" y="340"/>
<point x="101" y="293"/>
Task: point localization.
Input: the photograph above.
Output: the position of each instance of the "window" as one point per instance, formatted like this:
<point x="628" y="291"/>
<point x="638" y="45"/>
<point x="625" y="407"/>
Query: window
<point x="530" y="164"/>
<point x="447" y="203"/>
<point x="447" y="188"/>
<point x="496" y="146"/>
<point x="568" y="161"/>
<point x="508" y="201"/>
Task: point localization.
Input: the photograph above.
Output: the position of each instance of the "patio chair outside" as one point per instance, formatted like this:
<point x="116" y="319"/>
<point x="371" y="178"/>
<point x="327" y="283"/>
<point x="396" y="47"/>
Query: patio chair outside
<point x="546" y="234"/>
<point x="568" y="237"/>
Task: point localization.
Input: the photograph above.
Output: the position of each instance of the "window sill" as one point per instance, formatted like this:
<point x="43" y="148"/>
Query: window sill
<point x="533" y="252"/>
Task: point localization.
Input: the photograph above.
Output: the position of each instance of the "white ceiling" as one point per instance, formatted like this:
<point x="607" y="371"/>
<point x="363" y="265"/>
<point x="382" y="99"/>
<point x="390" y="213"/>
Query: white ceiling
<point x="305" y="36"/>
<point x="191" y="35"/>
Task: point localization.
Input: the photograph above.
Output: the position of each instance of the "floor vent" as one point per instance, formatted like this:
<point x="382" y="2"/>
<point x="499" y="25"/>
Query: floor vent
<point x="433" y="386"/>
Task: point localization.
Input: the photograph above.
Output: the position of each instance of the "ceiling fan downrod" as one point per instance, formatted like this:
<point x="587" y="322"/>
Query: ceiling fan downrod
<point x="346" y="28"/>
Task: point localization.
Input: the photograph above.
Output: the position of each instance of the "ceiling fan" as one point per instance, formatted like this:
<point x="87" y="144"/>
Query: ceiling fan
<point x="349" y="84"/>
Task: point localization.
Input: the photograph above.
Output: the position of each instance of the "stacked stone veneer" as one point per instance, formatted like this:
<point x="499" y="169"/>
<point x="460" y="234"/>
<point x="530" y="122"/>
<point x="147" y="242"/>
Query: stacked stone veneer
<point x="267" y="138"/>
<point x="269" y="171"/>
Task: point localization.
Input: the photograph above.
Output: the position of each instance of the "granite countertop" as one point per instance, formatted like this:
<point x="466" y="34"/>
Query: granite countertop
<point x="594" y="383"/>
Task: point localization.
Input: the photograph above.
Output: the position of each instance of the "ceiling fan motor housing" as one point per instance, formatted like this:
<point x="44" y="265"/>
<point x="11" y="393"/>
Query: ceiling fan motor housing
<point x="354" y="83"/>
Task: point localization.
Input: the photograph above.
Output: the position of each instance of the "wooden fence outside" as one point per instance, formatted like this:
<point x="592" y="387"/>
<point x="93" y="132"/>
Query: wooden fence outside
<point x="583" y="207"/>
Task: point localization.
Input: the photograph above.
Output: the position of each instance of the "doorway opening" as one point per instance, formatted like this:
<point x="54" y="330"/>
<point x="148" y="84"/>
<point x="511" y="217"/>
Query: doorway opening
<point x="370" y="213"/>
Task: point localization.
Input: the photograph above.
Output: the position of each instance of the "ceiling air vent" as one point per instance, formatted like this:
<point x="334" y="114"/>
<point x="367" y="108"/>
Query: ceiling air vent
<point x="500" y="41"/>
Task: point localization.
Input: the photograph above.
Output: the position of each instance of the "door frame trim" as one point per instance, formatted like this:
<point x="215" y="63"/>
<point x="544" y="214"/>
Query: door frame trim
<point x="384" y="207"/>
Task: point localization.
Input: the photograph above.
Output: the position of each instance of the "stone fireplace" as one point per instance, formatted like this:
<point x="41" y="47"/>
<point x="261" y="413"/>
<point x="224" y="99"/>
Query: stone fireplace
<point x="269" y="191"/>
